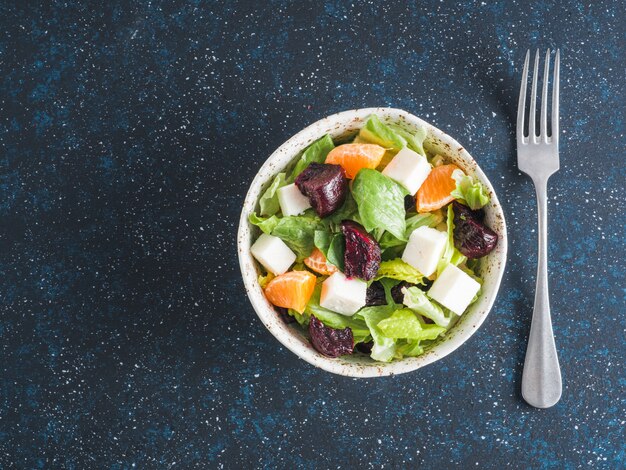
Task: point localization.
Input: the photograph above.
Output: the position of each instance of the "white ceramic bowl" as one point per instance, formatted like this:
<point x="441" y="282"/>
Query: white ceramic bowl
<point x="358" y="365"/>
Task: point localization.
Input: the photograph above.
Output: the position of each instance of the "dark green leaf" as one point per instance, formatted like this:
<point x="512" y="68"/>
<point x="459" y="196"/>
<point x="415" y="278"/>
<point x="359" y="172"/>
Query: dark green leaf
<point x="316" y="152"/>
<point x="265" y="224"/>
<point x="298" y="232"/>
<point x="268" y="202"/>
<point x="380" y="201"/>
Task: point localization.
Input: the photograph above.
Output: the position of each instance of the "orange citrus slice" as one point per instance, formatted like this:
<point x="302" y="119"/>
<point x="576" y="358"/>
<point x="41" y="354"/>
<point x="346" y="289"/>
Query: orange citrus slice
<point x="318" y="263"/>
<point x="353" y="157"/>
<point x="435" y="191"/>
<point x="291" y="290"/>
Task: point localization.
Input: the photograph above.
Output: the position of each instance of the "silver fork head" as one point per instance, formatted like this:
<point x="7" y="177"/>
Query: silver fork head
<point x="539" y="154"/>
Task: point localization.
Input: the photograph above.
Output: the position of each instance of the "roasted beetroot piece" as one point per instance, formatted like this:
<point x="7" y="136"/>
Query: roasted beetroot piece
<point x="463" y="210"/>
<point x="329" y="341"/>
<point x="375" y="295"/>
<point x="471" y="237"/>
<point x="362" y="255"/>
<point x="365" y="348"/>
<point x="325" y="185"/>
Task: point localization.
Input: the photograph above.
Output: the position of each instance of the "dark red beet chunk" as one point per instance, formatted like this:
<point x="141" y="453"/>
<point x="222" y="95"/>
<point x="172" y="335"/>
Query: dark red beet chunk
<point x="329" y="341"/>
<point x="375" y="295"/>
<point x="325" y="185"/>
<point x="461" y="210"/>
<point x="471" y="237"/>
<point x="362" y="255"/>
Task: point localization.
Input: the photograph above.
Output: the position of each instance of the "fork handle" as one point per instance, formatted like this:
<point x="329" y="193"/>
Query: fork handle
<point x="541" y="379"/>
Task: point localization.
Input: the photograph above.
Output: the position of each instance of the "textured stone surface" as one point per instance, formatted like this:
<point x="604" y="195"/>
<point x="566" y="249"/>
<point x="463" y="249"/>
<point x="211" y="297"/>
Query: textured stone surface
<point x="129" y="136"/>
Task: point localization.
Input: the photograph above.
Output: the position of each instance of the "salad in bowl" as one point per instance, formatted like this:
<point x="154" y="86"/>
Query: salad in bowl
<point x="370" y="242"/>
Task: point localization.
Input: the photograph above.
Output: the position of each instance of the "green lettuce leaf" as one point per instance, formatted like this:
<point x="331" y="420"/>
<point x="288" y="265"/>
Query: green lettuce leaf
<point x="411" y="349"/>
<point x="415" y="141"/>
<point x="469" y="190"/>
<point x="269" y="200"/>
<point x="348" y="211"/>
<point x="390" y="324"/>
<point x="265" y="224"/>
<point x="401" y="324"/>
<point x="430" y="331"/>
<point x="265" y="280"/>
<point x="301" y="318"/>
<point x="431" y="219"/>
<point x="316" y="152"/>
<point x="392" y="136"/>
<point x="389" y="241"/>
<point x="404" y="324"/>
<point x="377" y="132"/>
<point x="389" y="284"/>
<point x="398" y="269"/>
<point x="332" y="245"/>
<point x="416" y="300"/>
<point x="336" y="251"/>
<point x="322" y="240"/>
<point x="384" y="348"/>
<point x="298" y="232"/>
<point x="392" y="252"/>
<point x="450" y="255"/>
<point x="413" y="222"/>
<point x="380" y="201"/>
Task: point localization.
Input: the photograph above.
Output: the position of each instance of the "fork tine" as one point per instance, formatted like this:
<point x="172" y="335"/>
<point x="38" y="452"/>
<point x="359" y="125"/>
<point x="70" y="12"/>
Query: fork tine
<point x="521" y="105"/>
<point x="533" y="101"/>
<point x="543" y="132"/>
<point x="555" y="98"/>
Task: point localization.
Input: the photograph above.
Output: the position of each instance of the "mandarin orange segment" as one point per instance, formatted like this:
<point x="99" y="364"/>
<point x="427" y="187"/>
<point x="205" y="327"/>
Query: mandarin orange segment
<point x="435" y="191"/>
<point x="354" y="157"/>
<point x="291" y="290"/>
<point x="318" y="263"/>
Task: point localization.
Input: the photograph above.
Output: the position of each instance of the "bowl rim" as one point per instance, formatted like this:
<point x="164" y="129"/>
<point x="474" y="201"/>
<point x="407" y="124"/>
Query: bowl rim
<point x="284" y="333"/>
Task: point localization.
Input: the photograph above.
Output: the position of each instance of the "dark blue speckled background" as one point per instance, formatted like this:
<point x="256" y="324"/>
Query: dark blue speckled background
<point x="128" y="136"/>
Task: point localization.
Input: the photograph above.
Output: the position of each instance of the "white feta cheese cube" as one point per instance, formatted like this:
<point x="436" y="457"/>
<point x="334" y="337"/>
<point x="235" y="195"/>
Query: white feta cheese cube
<point x="343" y="295"/>
<point x="424" y="249"/>
<point x="273" y="254"/>
<point x="454" y="289"/>
<point x="292" y="201"/>
<point x="408" y="168"/>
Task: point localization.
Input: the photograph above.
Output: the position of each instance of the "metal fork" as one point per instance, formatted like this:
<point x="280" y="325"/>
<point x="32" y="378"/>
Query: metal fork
<point x="538" y="157"/>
